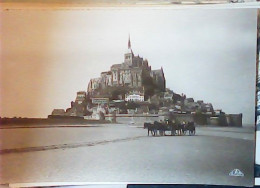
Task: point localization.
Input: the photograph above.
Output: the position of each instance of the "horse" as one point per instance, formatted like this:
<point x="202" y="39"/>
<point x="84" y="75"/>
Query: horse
<point x="161" y="127"/>
<point x="150" y="128"/>
<point x="171" y="127"/>
<point x="191" y="128"/>
<point x="156" y="127"/>
<point x="179" y="128"/>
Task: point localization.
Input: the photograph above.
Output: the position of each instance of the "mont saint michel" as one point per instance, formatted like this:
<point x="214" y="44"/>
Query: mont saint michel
<point x="133" y="88"/>
<point x="127" y="95"/>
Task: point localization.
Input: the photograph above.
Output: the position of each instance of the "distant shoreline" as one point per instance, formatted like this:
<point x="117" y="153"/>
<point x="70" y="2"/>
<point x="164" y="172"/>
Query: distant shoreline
<point x="74" y="121"/>
<point x="49" y="121"/>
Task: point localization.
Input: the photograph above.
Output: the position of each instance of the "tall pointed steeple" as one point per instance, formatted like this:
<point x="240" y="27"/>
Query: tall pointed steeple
<point x="129" y="55"/>
<point x="129" y="42"/>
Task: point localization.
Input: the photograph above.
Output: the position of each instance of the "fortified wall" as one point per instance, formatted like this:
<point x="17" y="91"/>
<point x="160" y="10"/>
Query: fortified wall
<point x="232" y="120"/>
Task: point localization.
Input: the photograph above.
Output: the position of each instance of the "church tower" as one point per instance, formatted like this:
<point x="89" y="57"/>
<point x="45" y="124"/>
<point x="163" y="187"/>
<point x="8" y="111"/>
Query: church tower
<point x="129" y="55"/>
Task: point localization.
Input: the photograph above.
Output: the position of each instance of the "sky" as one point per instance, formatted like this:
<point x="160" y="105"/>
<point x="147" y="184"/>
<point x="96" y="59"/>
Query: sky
<point x="49" y="55"/>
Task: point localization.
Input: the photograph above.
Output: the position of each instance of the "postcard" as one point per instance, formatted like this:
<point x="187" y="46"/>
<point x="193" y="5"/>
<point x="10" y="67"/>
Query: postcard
<point x="128" y="95"/>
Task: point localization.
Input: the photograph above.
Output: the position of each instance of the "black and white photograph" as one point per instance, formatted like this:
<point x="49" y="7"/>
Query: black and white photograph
<point x="141" y="95"/>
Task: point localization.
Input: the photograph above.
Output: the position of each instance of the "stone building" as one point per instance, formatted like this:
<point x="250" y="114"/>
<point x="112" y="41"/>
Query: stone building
<point x="79" y="106"/>
<point x="58" y="112"/>
<point x="159" y="79"/>
<point x="135" y="96"/>
<point x="130" y="73"/>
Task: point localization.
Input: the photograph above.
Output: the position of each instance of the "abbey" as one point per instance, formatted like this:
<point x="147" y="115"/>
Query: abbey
<point x="132" y="87"/>
<point x="134" y="73"/>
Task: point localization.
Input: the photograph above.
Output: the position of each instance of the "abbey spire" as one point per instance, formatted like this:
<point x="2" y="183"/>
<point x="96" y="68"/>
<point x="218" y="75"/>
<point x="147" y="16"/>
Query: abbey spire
<point x="129" y="42"/>
<point x="129" y="49"/>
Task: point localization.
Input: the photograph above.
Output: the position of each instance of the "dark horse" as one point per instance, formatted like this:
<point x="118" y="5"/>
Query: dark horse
<point x="153" y="128"/>
<point x="170" y="126"/>
<point x="191" y="128"/>
<point x="180" y="128"/>
<point x="161" y="127"/>
<point x="150" y="128"/>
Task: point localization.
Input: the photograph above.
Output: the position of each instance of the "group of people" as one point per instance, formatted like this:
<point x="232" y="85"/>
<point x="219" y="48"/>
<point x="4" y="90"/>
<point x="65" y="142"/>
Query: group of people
<point x="172" y="126"/>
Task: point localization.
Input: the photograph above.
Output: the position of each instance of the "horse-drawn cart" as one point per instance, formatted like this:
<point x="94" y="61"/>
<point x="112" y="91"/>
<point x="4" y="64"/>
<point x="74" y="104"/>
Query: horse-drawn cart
<point x="160" y="128"/>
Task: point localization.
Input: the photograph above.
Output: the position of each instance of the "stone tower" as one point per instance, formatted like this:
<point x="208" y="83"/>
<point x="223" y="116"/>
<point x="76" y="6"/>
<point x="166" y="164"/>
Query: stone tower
<point x="129" y="55"/>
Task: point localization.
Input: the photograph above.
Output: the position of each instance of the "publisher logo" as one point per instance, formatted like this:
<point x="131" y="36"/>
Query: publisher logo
<point x="236" y="172"/>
